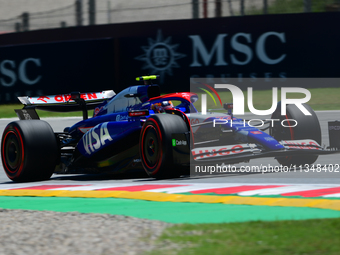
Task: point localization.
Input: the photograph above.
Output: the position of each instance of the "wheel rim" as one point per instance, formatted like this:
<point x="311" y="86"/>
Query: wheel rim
<point x="12" y="152"/>
<point x="151" y="147"/>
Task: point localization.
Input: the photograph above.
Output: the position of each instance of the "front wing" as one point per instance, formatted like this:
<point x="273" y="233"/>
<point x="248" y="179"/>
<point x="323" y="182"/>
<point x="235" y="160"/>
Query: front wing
<point x="244" y="152"/>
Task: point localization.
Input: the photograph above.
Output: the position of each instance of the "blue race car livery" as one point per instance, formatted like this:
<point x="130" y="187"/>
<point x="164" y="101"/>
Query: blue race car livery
<point x="140" y="129"/>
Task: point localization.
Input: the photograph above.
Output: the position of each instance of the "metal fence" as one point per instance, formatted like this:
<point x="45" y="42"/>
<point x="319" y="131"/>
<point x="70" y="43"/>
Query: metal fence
<point x="94" y="12"/>
<point x="56" y="18"/>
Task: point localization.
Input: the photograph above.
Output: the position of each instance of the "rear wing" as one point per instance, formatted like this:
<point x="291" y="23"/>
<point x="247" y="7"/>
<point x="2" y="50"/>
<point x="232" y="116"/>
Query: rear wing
<point x="72" y="102"/>
<point x="66" y="98"/>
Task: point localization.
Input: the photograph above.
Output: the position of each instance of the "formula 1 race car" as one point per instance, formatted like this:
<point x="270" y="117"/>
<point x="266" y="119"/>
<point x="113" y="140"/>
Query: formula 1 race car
<point x="139" y="128"/>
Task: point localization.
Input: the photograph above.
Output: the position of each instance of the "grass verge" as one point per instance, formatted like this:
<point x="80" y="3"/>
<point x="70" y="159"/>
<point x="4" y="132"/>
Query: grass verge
<point x="261" y="237"/>
<point x="291" y="6"/>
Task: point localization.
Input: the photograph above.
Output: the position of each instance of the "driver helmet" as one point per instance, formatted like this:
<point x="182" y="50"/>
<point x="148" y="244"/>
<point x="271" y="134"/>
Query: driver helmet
<point x="161" y="107"/>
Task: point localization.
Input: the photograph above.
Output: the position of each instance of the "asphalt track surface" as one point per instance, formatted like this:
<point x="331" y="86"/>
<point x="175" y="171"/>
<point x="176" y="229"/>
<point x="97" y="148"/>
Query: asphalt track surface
<point x="297" y="177"/>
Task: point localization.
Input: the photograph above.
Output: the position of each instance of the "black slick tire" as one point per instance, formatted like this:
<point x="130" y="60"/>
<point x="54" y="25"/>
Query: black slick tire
<point x="308" y="127"/>
<point x="29" y="150"/>
<point x="155" y="145"/>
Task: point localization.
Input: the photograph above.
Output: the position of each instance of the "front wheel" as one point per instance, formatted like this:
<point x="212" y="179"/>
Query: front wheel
<point x="156" y="145"/>
<point x="29" y="150"/>
<point x="308" y="127"/>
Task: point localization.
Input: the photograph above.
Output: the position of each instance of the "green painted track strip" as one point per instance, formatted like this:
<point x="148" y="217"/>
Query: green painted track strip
<point x="168" y="211"/>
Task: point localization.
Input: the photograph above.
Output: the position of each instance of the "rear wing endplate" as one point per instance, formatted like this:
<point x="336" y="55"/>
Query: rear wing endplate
<point x="27" y="114"/>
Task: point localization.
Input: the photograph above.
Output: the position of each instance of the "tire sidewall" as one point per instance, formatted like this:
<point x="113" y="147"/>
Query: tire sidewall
<point x="149" y="126"/>
<point x="11" y="172"/>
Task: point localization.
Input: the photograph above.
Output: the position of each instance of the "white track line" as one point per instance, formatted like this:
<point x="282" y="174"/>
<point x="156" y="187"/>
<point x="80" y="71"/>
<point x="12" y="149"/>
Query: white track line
<point x="332" y="195"/>
<point x="281" y="190"/>
<point x="192" y="187"/>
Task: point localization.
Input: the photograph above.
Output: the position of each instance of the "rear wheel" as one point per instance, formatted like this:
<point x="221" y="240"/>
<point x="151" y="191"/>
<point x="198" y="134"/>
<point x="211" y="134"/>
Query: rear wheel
<point x="29" y="150"/>
<point x="156" y="145"/>
<point x="308" y="127"/>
